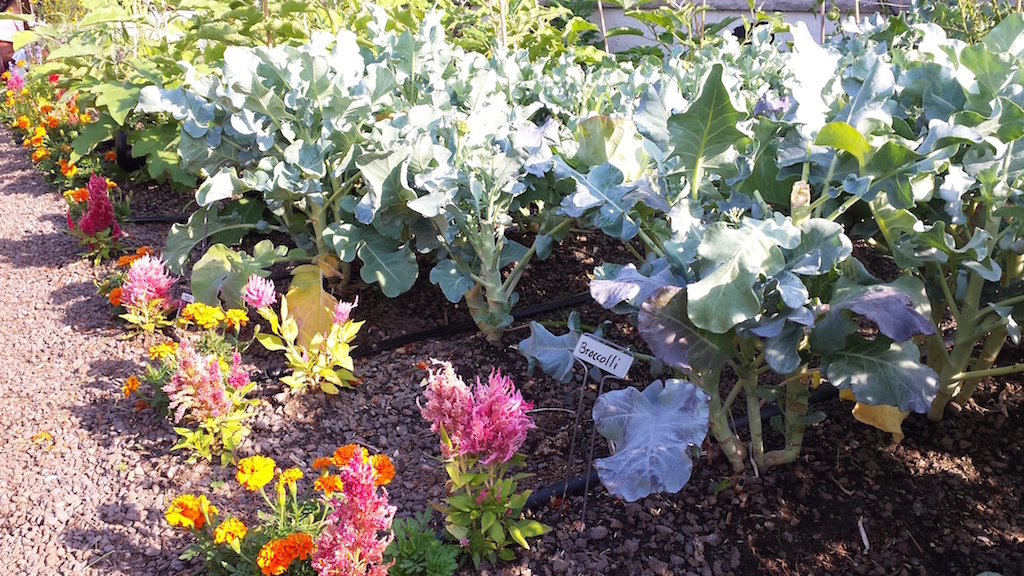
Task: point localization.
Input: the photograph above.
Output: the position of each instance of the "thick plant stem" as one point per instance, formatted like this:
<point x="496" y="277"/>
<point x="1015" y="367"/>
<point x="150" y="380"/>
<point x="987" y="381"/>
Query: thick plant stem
<point x="718" y="422"/>
<point x="963" y="346"/>
<point x="794" y="414"/>
<point x="989" y="352"/>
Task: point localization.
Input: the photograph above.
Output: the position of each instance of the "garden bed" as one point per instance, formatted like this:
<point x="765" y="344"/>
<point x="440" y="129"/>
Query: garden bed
<point x="88" y="478"/>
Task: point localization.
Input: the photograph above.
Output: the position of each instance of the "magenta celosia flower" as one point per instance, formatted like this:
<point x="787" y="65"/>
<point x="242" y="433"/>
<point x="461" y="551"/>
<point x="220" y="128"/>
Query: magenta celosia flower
<point x="359" y="529"/>
<point x="449" y="406"/>
<point x="343" y="311"/>
<point x="15" y="82"/>
<point x="237" y="378"/>
<point x="197" y="386"/>
<point x="147" y="280"/>
<point x="99" y="212"/>
<point x="259" y="292"/>
<point x="499" y="420"/>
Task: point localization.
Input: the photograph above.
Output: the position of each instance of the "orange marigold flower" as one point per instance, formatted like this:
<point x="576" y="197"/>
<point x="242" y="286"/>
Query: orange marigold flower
<point x="110" y="156"/>
<point x="141" y="405"/>
<point x="143" y="250"/>
<point x="111" y="184"/>
<point x="35" y="141"/>
<point x="130" y="385"/>
<point x="79" y="194"/>
<point x="127" y="260"/>
<point x="255" y="472"/>
<point x="322" y="463"/>
<point x="45" y="109"/>
<point x="229" y="530"/>
<point x="276" y="555"/>
<point x="52" y="122"/>
<point x="65" y="148"/>
<point x="328" y="484"/>
<point x="22" y="123"/>
<point x="69" y="170"/>
<point x="189" y="511"/>
<point x="39" y="154"/>
<point x="384" y="470"/>
<point x="344" y="454"/>
<point x="115" y="296"/>
<point x="299" y="545"/>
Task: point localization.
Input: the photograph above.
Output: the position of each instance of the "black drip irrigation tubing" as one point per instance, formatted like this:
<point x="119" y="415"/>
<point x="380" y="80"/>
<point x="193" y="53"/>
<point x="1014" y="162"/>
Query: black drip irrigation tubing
<point x="169" y="219"/>
<point x="578" y="484"/>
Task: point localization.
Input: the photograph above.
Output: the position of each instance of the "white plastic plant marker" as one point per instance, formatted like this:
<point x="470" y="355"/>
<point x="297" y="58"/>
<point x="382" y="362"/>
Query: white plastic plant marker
<point x="603" y="355"/>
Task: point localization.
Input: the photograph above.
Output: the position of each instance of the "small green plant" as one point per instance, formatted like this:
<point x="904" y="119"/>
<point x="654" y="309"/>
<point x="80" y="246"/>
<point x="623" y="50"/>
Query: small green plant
<point x="416" y="550"/>
<point x="326" y="361"/>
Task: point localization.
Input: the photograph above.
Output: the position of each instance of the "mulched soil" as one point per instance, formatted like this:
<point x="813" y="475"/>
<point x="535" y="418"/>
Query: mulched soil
<point x="87" y="478"/>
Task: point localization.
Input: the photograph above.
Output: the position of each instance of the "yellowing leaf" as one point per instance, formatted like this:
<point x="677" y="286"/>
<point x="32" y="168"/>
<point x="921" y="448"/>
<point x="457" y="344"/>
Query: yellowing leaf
<point x="309" y="304"/>
<point x="885" y="418"/>
<point x="846" y="394"/>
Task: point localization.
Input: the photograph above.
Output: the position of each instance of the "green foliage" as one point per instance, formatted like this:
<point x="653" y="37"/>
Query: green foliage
<point x="416" y="551"/>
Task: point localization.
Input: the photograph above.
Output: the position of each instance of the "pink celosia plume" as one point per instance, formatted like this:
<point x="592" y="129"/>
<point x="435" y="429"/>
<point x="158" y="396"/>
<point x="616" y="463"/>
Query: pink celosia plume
<point x="358" y="531"/>
<point x="343" y="311"/>
<point x="259" y="292"/>
<point x="147" y="280"/>
<point x="99" y="213"/>
<point x="197" y="387"/>
<point x="449" y="405"/>
<point x="489" y="422"/>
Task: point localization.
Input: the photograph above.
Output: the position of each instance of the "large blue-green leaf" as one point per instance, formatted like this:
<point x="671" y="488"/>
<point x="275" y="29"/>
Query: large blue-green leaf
<point x="602" y="199"/>
<point x="227" y="226"/>
<point x="628" y="285"/>
<point x="221" y="186"/>
<point x="1007" y="37"/>
<point x="665" y="327"/>
<point x="823" y="245"/>
<point x="387" y="264"/>
<point x="706" y="129"/>
<point x="386" y="175"/>
<point x="552" y="353"/>
<point x="731" y="261"/>
<point x="883" y="372"/>
<point x="612" y="140"/>
<point x="454" y="283"/>
<point x="652" y="432"/>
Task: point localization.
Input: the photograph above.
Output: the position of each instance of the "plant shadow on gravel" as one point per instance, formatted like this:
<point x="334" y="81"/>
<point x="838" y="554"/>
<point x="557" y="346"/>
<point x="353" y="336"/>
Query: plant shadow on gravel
<point x="78" y="302"/>
<point x="39" y="250"/>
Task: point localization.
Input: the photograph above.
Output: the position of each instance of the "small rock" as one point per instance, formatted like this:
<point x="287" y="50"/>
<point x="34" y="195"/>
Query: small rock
<point x="598" y="533"/>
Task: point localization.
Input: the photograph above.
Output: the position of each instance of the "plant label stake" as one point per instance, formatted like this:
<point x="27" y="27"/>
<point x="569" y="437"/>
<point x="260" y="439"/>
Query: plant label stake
<point x="613" y="359"/>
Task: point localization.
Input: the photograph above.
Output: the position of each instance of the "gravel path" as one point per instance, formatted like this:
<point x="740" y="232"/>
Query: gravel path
<point x="78" y="493"/>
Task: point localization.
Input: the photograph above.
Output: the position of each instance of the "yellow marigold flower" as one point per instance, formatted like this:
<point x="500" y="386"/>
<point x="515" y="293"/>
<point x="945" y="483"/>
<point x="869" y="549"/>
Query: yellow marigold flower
<point x="24" y="91"/>
<point x="69" y="170"/>
<point x="384" y="470"/>
<point x="322" y="463"/>
<point x="111" y="184"/>
<point x="39" y="154"/>
<point x="110" y="156"/>
<point x="236" y="318"/>
<point x="115" y="296"/>
<point x="163" y="350"/>
<point x="290" y="476"/>
<point x="189" y="511"/>
<point x="85" y="118"/>
<point x="344" y="454"/>
<point x="229" y="530"/>
<point x="9" y="94"/>
<point x="5" y="76"/>
<point x="328" y="484"/>
<point x="20" y="63"/>
<point x="52" y="122"/>
<point x="35" y="141"/>
<point x="131" y="385"/>
<point x="22" y="122"/>
<point x="203" y="315"/>
<point x="255" y="472"/>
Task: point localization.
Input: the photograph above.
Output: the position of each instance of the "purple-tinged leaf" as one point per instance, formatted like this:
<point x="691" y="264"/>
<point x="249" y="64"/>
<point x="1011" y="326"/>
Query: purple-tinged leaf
<point x="898" y="308"/>
<point x="665" y="327"/>
<point x="629" y="285"/>
<point x="652" y="431"/>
